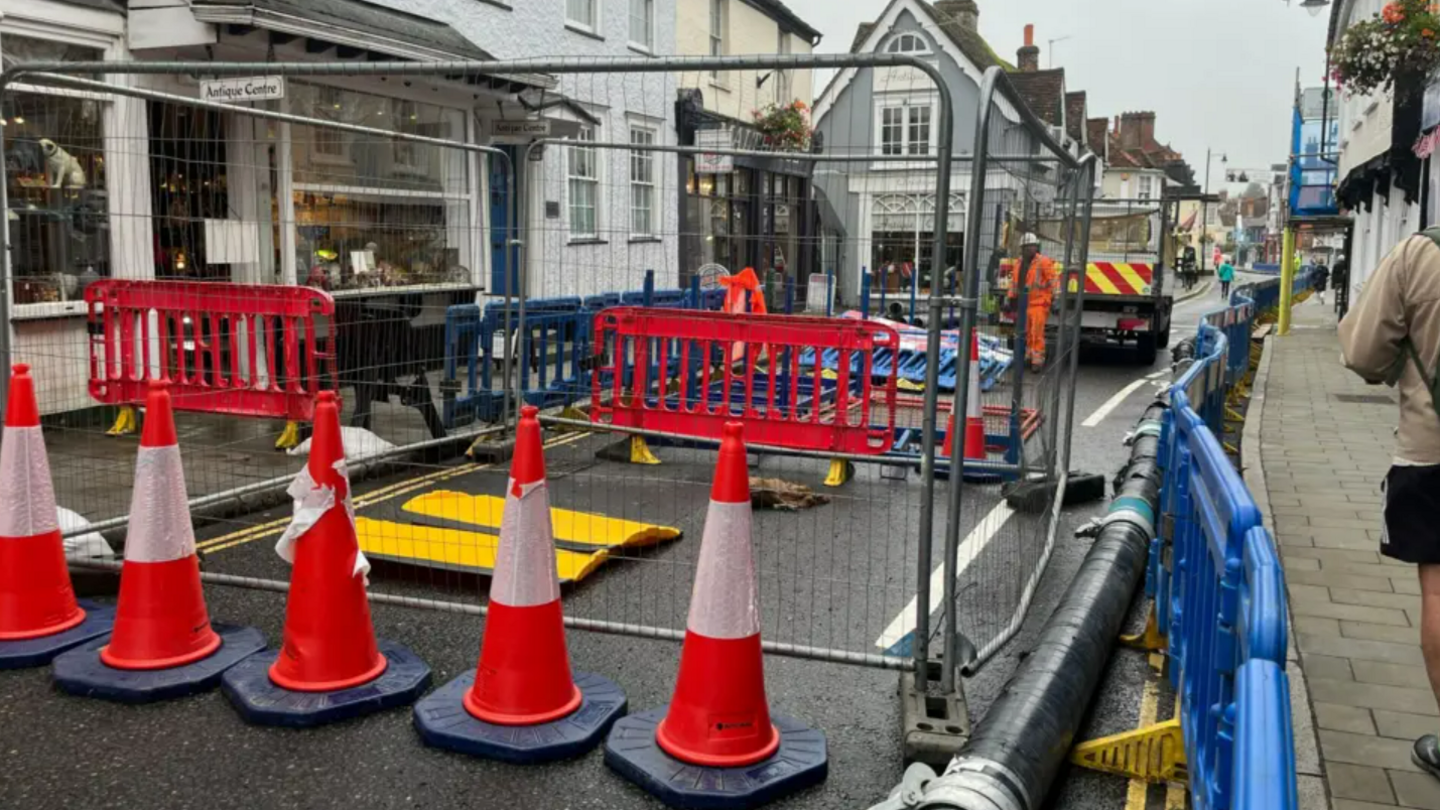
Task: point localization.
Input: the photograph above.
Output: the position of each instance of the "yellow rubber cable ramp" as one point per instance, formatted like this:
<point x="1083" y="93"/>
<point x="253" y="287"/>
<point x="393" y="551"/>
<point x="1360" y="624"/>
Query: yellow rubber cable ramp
<point x="457" y="550"/>
<point x="577" y="531"/>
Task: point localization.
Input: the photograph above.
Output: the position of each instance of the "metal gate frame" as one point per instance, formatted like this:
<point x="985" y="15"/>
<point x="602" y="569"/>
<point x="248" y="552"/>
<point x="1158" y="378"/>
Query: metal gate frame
<point x="994" y="81"/>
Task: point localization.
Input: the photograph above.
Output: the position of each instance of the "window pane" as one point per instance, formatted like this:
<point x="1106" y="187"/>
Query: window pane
<point x="581" y="11"/>
<point x="641" y="12"/>
<point x="55" y="179"/>
<point x="332" y="157"/>
<point x="919" y="130"/>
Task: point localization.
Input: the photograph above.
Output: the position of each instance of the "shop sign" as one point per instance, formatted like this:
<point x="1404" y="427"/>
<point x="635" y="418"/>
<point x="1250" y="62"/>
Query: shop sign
<point x="237" y="91"/>
<point x="521" y="129"/>
<point x="709" y="163"/>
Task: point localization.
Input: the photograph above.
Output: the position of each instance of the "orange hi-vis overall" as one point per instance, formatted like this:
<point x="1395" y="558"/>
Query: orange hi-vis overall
<point x="1040" y="280"/>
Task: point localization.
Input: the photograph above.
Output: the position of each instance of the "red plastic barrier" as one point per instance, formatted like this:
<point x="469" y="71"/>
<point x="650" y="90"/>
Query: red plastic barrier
<point x="666" y="370"/>
<point x="202" y="337"/>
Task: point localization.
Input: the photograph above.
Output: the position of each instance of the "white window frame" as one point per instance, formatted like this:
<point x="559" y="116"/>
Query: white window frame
<point x="591" y="25"/>
<point x="892" y="45"/>
<point x="93" y="29"/>
<point x="782" y="77"/>
<point x="648" y="46"/>
<point x="719" y="17"/>
<point x="907" y="104"/>
<point x="652" y="136"/>
<point x="593" y="179"/>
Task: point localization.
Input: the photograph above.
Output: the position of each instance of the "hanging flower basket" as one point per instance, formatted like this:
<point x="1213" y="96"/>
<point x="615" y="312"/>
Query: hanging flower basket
<point x="1399" y="42"/>
<point x="784" y="128"/>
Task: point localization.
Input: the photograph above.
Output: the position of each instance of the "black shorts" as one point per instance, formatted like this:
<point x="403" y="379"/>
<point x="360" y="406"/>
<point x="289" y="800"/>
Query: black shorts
<point x="1412" y="514"/>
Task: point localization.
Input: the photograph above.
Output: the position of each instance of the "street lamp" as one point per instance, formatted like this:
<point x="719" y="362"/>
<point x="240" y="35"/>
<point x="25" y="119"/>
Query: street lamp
<point x="1205" y="205"/>
<point x="1314" y="6"/>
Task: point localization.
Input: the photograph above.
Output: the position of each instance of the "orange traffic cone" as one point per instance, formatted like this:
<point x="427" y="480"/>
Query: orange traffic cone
<point x="35" y="595"/>
<point x="524" y="672"/>
<point x="163" y="645"/>
<point x="523" y="678"/>
<point x="718" y="717"/>
<point x="974" y="421"/>
<point x="329" y="639"/>
<point x="161" y="621"/>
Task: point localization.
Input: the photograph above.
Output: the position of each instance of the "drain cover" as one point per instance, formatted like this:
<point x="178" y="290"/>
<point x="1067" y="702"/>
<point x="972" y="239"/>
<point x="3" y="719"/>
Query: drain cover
<point x="1364" y="399"/>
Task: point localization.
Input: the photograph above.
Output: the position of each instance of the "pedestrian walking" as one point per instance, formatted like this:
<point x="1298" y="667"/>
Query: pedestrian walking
<point x="1392" y="336"/>
<point x="1226" y="274"/>
<point x="1040" y="283"/>
<point x="1319" y="277"/>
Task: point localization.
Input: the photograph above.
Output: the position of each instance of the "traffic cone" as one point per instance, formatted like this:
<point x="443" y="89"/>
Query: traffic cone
<point x="974" y="420"/>
<point x="524" y="673"/>
<point x="161" y="621"/>
<point x="718" y="718"/>
<point x="36" y="598"/>
<point x="523" y="678"/>
<point x="329" y="641"/>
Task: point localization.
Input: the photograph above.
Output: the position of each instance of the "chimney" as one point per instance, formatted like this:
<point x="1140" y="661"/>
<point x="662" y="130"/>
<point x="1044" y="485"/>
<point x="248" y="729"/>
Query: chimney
<point x="1137" y="130"/>
<point x="964" y="12"/>
<point x="1028" y="57"/>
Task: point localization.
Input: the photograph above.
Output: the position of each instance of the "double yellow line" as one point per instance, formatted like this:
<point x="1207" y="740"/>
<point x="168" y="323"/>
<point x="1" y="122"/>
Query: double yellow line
<point x="1138" y="794"/>
<point x="275" y="527"/>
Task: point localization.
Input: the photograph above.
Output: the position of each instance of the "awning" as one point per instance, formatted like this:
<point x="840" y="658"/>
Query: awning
<point x="354" y="28"/>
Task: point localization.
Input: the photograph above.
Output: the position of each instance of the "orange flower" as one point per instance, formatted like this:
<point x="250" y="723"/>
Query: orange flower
<point x="1393" y="13"/>
<point x="1427" y="33"/>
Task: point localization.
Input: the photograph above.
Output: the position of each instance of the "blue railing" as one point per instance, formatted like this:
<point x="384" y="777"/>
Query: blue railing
<point x="553" y="352"/>
<point x="1219" y="589"/>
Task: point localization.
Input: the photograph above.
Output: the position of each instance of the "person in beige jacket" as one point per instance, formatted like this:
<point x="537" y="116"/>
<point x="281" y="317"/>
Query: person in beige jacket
<point x="1399" y="310"/>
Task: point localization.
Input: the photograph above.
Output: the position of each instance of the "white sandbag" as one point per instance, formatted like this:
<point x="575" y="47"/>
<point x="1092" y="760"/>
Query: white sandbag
<point x="359" y="443"/>
<point x="81" y="546"/>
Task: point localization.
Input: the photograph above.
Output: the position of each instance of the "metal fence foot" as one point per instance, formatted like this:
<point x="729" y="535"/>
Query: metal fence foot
<point x="933" y="727"/>
<point x="1154" y="753"/>
<point x="125" y="422"/>
<point x="840" y="473"/>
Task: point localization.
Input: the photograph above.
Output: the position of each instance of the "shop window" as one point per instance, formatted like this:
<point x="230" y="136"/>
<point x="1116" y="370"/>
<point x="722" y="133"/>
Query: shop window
<point x="373" y="210"/>
<point x="584" y="187"/>
<point x="642" y="24"/>
<point x="642" y="183"/>
<point x="582" y="14"/>
<point x="56" y="184"/>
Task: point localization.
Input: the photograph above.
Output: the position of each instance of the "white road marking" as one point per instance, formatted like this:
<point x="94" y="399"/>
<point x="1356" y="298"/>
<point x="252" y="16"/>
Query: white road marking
<point x="1157" y="375"/>
<point x="970" y="549"/>
<point x="1111" y="404"/>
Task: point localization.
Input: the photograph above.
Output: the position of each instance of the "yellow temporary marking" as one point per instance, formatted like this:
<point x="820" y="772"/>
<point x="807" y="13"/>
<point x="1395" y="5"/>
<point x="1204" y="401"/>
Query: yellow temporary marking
<point x="1097" y="277"/>
<point x="905" y="385"/>
<point x="374" y="496"/>
<point x="452" y="548"/>
<point x="583" y="528"/>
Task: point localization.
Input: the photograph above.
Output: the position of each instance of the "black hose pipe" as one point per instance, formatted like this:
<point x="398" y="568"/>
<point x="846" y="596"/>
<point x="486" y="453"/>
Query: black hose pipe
<point x="1019" y="746"/>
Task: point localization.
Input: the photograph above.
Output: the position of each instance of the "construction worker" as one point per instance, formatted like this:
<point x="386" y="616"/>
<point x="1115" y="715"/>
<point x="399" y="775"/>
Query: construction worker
<point x="1040" y="282"/>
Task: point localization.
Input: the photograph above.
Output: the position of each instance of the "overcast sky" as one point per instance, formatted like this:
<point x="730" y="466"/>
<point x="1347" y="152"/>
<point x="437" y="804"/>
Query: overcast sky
<point x="1218" y="73"/>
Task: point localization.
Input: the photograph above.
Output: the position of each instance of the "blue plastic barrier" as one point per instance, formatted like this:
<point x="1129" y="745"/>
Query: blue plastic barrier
<point x="1219" y="588"/>
<point x="553" y="352"/>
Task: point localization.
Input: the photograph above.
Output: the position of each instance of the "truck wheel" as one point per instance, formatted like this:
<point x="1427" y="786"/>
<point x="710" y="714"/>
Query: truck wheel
<point x="1145" y="350"/>
<point x="1163" y="341"/>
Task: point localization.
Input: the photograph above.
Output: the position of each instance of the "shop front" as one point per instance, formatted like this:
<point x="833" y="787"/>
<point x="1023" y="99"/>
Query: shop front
<point x="755" y="212"/>
<point x="395" y="222"/>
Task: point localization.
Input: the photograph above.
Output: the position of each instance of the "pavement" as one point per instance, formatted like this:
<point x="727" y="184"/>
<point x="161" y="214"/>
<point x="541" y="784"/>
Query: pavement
<point x="1325" y="444"/>
<point x="834" y="578"/>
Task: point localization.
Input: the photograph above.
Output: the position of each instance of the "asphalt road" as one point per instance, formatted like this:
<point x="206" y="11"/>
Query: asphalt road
<point x="833" y="578"/>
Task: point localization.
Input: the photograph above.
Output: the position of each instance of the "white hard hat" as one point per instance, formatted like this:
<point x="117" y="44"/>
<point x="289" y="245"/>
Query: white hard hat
<point x="1029" y="239"/>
